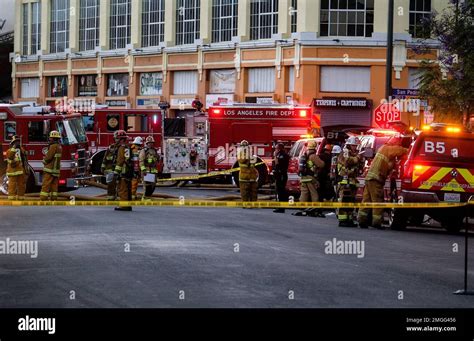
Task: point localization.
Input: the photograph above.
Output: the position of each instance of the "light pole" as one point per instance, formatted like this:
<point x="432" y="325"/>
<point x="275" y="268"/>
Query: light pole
<point x="388" y="75"/>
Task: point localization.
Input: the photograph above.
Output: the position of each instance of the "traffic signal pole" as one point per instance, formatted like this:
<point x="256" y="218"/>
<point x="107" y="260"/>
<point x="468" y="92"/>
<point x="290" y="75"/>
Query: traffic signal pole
<point x="388" y="75"/>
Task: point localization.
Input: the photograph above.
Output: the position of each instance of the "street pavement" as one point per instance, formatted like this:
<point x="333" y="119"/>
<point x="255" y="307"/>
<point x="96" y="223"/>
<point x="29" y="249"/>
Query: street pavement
<point x="218" y="257"/>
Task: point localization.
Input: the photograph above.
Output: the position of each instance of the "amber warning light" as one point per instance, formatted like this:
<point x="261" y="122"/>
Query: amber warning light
<point x="303" y="113"/>
<point x="216" y="111"/>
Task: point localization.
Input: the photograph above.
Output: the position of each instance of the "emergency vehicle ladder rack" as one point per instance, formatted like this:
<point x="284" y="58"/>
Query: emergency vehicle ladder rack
<point x="464" y="291"/>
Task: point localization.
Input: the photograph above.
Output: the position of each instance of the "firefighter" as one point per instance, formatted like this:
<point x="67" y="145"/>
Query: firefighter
<point x="149" y="161"/>
<point x="380" y="169"/>
<point x="108" y="165"/>
<point x="248" y="175"/>
<point x="333" y="175"/>
<point x="52" y="167"/>
<point x="280" y="173"/>
<point x="123" y="170"/>
<point x="309" y="166"/>
<point x="17" y="169"/>
<point x="349" y="165"/>
<point x="136" y="147"/>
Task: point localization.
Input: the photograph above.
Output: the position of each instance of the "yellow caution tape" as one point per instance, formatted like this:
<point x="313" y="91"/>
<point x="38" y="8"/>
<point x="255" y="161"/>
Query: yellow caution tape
<point x="207" y="175"/>
<point x="233" y="204"/>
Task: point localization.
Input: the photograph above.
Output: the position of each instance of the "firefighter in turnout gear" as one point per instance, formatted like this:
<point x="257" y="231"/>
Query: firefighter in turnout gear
<point x="17" y="169"/>
<point x="380" y="169"/>
<point x="149" y="160"/>
<point x="137" y="145"/>
<point x="108" y="167"/>
<point x="124" y="170"/>
<point x="248" y="175"/>
<point x="349" y="165"/>
<point x="52" y="167"/>
<point x="309" y="166"/>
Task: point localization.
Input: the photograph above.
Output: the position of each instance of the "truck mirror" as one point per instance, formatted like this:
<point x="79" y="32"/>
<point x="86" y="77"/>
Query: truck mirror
<point x="368" y="153"/>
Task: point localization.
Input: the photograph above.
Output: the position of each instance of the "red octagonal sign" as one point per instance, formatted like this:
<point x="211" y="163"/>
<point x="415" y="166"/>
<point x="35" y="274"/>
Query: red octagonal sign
<point x="385" y="113"/>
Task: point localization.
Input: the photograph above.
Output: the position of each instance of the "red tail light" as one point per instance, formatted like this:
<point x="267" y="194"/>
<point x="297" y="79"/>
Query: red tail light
<point x="62" y="182"/>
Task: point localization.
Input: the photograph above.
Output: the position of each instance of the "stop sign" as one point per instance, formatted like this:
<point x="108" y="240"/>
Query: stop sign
<point x="385" y="113"/>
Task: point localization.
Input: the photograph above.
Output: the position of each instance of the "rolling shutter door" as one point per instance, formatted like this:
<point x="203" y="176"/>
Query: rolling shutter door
<point x="331" y="117"/>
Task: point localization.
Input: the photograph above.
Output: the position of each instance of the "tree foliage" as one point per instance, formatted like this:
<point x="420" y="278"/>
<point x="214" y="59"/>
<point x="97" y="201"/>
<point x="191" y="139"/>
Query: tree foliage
<point x="448" y="81"/>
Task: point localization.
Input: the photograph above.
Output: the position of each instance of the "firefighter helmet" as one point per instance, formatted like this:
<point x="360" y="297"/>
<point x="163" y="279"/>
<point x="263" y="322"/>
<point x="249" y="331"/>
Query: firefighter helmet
<point x="54" y="134"/>
<point x="336" y="149"/>
<point x="150" y="139"/>
<point x="14" y="139"/>
<point x="138" y="141"/>
<point x="328" y="147"/>
<point x="311" y="145"/>
<point x="244" y="143"/>
<point x="353" y="141"/>
<point x="120" y="134"/>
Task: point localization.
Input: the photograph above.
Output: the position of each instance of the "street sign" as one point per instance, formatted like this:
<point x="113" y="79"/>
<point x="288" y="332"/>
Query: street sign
<point x="385" y="113"/>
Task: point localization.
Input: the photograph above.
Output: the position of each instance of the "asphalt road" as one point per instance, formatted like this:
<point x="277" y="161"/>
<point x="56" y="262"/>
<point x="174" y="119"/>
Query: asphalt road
<point x="201" y="257"/>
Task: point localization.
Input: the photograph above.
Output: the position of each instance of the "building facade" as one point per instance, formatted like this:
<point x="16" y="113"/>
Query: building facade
<point x="137" y="53"/>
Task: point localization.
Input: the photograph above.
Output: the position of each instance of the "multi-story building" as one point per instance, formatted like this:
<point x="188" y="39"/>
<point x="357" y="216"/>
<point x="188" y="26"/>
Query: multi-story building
<point x="136" y="53"/>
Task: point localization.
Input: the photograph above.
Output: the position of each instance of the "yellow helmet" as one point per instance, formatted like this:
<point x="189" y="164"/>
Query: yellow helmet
<point x="54" y="134"/>
<point x="244" y="143"/>
<point x="311" y="145"/>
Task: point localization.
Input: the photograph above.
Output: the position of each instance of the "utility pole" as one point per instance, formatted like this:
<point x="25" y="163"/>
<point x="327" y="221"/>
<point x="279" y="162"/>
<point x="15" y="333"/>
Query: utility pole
<point x="388" y="75"/>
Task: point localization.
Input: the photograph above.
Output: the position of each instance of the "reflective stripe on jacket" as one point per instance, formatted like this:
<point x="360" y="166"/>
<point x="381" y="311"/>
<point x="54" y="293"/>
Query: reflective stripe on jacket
<point x="52" y="160"/>
<point x="384" y="162"/>
<point x="149" y="159"/>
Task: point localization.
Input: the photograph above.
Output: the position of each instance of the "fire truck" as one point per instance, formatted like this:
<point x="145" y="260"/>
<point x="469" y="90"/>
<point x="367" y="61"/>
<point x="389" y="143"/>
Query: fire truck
<point x="101" y="123"/>
<point x="32" y="125"/>
<point x="262" y="125"/>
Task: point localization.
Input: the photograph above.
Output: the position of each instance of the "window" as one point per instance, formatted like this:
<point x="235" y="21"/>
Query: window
<point x="9" y="131"/>
<point x="224" y="20"/>
<point x="261" y="80"/>
<point x="38" y="131"/>
<point x="347" y="18"/>
<point x="153" y="22"/>
<point x="294" y="16"/>
<point x="117" y="84"/>
<point x="87" y="85"/>
<point x="151" y="83"/>
<point x="72" y="131"/>
<point x="59" y="36"/>
<point x="263" y="19"/>
<point x="185" y="82"/>
<point x="88" y="122"/>
<point x="35" y="27"/>
<point x="291" y="79"/>
<point x="29" y="87"/>
<point x="419" y="11"/>
<point x="25" y="30"/>
<point x="136" y="123"/>
<point x="113" y="122"/>
<point x="222" y="81"/>
<point x="57" y="86"/>
<point x="187" y="21"/>
<point x="120" y="17"/>
<point x="345" y="79"/>
<point x="89" y="22"/>
<point x="414" y="77"/>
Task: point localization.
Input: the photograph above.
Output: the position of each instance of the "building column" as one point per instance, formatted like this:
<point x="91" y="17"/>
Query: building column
<point x="45" y="26"/>
<point x="170" y="23"/>
<point x="104" y="24"/>
<point x="243" y="30"/>
<point x="18" y="27"/>
<point x="136" y="29"/>
<point x="308" y="19"/>
<point x="74" y="14"/>
<point x="284" y="19"/>
<point x="206" y="24"/>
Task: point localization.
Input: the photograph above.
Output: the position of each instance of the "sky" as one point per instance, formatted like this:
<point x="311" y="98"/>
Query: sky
<point x="7" y="11"/>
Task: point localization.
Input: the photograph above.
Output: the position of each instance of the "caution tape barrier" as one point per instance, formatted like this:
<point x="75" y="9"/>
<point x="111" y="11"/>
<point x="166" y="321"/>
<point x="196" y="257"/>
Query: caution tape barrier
<point x="207" y="175"/>
<point x="232" y="204"/>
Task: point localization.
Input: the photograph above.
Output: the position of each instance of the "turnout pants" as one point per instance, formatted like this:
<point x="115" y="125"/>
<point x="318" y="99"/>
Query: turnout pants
<point x="249" y="190"/>
<point x="347" y="193"/>
<point x="16" y="187"/>
<point x="112" y="189"/>
<point x="149" y="189"/>
<point x="125" y="189"/>
<point x="373" y="192"/>
<point x="309" y="191"/>
<point x="49" y="190"/>
<point x="134" y="187"/>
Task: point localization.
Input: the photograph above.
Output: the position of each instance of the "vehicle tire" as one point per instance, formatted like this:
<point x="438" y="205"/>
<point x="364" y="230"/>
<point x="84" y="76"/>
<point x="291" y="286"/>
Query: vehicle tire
<point x="4" y="184"/>
<point x="97" y="163"/>
<point x="31" y="183"/>
<point x="397" y="219"/>
<point x="416" y="219"/>
<point x="452" y="224"/>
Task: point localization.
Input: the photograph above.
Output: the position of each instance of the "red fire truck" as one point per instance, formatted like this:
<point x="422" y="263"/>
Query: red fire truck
<point x="262" y="125"/>
<point x="32" y="125"/>
<point x="100" y="125"/>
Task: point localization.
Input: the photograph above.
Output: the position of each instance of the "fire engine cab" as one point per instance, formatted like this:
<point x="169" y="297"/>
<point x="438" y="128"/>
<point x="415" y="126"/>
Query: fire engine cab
<point x="262" y="125"/>
<point x="32" y="125"/>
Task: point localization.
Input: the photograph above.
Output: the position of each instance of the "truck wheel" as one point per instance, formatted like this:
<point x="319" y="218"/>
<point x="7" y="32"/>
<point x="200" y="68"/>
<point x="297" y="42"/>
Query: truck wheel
<point x="417" y="219"/>
<point x="97" y="163"/>
<point x="452" y="224"/>
<point x="397" y="219"/>
<point x="4" y="184"/>
<point x="31" y="183"/>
